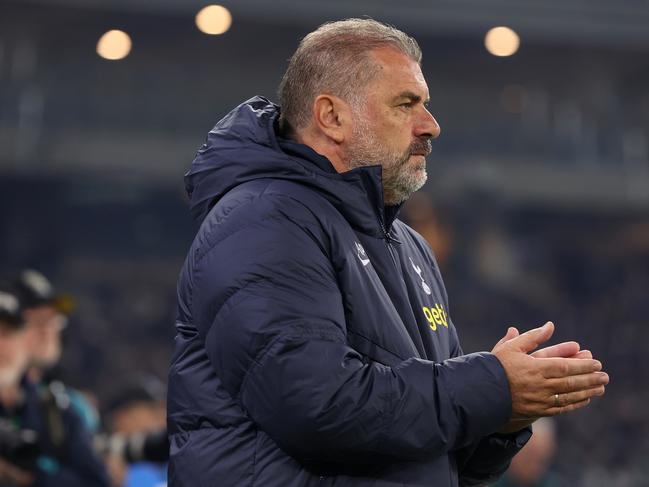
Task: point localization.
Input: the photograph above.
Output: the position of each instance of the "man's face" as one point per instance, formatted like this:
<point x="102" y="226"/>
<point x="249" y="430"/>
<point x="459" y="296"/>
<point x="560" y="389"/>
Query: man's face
<point x="393" y="128"/>
<point x="13" y="355"/>
<point x="43" y="326"/>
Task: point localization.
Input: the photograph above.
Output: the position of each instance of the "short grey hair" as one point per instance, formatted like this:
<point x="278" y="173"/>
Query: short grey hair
<point x="335" y="59"/>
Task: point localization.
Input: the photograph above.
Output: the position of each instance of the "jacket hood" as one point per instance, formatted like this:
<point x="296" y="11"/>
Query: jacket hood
<point x="244" y="146"/>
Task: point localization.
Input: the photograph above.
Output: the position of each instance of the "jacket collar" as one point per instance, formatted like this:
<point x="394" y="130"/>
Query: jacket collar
<point x="244" y="146"/>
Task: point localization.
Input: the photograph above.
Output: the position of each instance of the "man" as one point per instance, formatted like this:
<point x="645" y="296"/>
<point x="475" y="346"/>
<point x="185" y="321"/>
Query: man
<point x="138" y="448"/>
<point x="13" y="360"/>
<point x="42" y="442"/>
<point x="314" y="344"/>
<point x="46" y="316"/>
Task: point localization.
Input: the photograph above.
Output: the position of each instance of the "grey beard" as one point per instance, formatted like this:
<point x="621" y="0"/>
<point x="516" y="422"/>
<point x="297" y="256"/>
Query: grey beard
<point x="398" y="184"/>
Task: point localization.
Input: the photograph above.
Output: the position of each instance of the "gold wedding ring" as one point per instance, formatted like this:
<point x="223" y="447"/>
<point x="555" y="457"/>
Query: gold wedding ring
<point x="557" y="402"/>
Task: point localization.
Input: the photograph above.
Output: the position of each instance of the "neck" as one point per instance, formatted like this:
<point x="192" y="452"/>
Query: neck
<point x="325" y="147"/>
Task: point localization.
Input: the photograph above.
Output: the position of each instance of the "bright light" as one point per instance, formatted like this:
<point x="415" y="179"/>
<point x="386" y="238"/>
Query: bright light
<point x="114" y="45"/>
<point x="502" y="41"/>
<point x="214" y="20"/>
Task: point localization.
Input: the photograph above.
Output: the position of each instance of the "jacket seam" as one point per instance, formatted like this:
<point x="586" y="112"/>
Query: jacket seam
<point x="354" y="332"/>
<point x="262" y="354"/>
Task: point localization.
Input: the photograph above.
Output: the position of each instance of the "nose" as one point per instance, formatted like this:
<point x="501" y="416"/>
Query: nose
<point x="427" y="126"/>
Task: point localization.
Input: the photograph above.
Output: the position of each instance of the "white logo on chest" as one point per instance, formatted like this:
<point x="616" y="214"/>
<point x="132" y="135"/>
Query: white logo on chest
<point x="417" y="269"/>
<point x="360" y="253"/>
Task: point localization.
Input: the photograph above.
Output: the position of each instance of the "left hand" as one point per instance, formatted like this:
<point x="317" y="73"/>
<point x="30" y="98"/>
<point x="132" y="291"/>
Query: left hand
<point x="563" y="350"/>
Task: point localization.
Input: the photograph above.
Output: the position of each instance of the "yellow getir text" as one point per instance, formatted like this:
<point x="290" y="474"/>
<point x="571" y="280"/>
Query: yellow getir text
<point x="436" y="316"/>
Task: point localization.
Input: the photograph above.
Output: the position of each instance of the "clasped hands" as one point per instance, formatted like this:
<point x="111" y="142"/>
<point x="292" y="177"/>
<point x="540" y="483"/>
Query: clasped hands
<point x="549" y="381"/>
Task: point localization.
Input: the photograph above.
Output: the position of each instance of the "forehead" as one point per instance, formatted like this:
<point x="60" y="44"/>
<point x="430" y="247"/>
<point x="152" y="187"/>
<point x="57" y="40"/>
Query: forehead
<point x="42" y="310"/>
<point x="397" y="73"/>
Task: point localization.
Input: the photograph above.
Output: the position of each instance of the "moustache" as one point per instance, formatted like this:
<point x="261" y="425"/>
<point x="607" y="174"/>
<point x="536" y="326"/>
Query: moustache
<point x="420" y="147"/>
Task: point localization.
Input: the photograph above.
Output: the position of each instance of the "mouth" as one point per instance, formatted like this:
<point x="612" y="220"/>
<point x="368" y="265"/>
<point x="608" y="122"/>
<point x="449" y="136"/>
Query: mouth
<point x="421" y="148"/>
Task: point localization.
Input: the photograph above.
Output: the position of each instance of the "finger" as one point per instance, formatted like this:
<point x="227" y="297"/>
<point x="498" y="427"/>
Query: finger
<point x="531" y="339"/>
<point x="579" y="396"/>
<point x="553" y="411"/>
<point x="565" y="400"/>
<point x="578" y="382"/>
<point x="565" y="349"/>
<point x="556" y="367"/>
<point x="583" y="354"/>
<point x="512" y="332"/>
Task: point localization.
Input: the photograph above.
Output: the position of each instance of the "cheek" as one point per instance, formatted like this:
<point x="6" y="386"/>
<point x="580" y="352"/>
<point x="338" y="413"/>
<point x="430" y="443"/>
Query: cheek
<point x="31" y="338"/>
<point x="17" y="353"/>
<point x="401" y="134"/>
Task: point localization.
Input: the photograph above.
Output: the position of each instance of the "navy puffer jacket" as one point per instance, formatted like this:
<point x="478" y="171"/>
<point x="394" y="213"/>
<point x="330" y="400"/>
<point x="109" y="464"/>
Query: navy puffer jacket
<point x="314" y="343"/>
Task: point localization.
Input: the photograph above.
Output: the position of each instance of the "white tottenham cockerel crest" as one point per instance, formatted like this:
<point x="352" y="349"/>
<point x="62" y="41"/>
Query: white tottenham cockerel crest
<point x="417" y="269"/>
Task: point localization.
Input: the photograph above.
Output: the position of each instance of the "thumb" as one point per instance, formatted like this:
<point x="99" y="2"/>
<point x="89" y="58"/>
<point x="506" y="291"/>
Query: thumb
<point x="531" y="339"/>
<point x="512" y="332"/>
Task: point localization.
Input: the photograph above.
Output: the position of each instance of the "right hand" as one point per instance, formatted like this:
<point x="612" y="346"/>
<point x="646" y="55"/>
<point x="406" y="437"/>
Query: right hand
<point x="535" y="379"/>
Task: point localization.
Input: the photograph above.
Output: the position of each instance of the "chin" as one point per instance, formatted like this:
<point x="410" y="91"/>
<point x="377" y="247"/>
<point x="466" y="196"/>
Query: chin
<point x="421" y="176"/>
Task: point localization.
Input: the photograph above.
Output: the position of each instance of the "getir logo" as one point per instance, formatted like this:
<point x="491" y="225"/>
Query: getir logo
<point x="436" y="316"/>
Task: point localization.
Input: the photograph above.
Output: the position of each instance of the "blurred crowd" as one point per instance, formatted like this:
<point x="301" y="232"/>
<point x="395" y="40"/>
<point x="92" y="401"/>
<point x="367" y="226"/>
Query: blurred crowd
<point x="54" y="435"/>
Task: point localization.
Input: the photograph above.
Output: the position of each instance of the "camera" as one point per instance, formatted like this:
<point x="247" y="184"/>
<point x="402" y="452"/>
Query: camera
<point x="140" y="447"/>
<point x="19" y="447"/>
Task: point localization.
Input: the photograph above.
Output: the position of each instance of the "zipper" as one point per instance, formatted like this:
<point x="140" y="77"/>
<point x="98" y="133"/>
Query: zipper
<point x="388" y="242"/>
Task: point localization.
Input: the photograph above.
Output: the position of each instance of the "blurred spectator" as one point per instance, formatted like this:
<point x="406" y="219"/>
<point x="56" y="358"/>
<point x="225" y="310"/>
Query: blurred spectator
<point x="46" y="316"/>
<point x="42" y="441"/>
<point x="138" y="448"/>
<point x="531" y="467"/>
<point x="13" y="360"/>
<point x="419" y="213"/>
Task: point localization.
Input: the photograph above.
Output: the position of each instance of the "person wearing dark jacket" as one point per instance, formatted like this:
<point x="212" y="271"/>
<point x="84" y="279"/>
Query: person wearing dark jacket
<point x="46" y="315"/>
<point x="314" y="340"/>
<point x="43" y="443"/>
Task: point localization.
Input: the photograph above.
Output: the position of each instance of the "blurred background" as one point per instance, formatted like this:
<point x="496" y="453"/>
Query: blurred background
<point x="537" y="203"/>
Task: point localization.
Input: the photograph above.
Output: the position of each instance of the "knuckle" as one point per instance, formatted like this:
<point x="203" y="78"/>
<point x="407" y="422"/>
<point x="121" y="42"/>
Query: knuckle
<point x="570" y="383"/>
<point x="563" y="368"/>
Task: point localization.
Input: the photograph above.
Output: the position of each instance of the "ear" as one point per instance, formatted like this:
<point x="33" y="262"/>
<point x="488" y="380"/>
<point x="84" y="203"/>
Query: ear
<point x="332" y="117"/>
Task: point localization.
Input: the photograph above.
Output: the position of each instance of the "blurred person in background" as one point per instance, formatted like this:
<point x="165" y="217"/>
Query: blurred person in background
<point x="46" y="316"/>
<point x="531" y="467"/>
<point x="419" y="213"/>
<point x="14" y="468"/>
<point x="314" y="343"/>
<point x="138" y="448"/>
<point x="42" y="440"/>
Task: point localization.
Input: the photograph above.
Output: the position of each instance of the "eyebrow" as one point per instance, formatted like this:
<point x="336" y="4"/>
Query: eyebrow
<point x="413" y="97"/>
